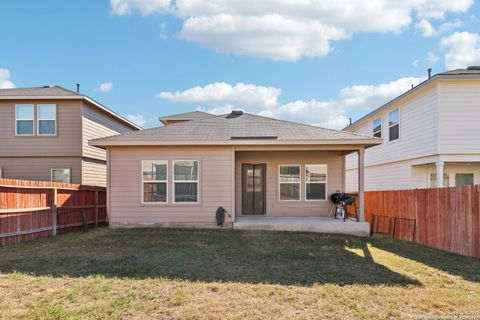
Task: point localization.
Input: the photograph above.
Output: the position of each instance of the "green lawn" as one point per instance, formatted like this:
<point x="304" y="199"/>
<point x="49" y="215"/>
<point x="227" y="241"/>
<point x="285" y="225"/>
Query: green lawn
<point x="225" y="274"/>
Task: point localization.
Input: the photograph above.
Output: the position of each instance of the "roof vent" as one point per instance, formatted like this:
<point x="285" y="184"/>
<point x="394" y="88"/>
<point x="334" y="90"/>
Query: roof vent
<point x="46" y="86"/>
<point x="473" y="68"/>
<point x="237" y="112"/>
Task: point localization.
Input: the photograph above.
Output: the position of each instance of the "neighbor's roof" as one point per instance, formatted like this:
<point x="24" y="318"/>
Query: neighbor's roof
<point x="57" y="92"/>
<point x="470" y="73"/>
<point x="194" y="115"/>
<point x="236" y="128"/>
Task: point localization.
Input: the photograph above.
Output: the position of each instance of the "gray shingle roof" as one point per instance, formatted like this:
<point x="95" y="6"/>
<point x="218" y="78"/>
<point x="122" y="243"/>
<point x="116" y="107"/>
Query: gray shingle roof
<point x="232" y="128"/>
<point x="461" y="72"/>
<point x="194" y="115"/>
<point x="52" y="91"/>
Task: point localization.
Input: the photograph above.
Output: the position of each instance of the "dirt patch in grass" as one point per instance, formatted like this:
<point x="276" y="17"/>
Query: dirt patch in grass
<point x="225" y="274"/>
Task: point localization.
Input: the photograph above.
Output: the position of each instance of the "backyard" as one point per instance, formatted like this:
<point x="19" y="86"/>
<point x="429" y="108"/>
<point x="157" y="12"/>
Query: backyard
<point x="225" y="274"/>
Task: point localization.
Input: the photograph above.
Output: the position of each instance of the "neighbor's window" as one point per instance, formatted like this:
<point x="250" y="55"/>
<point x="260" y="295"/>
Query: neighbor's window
<point x="185" y="180"/>
<point x="433" y="180"/>
<point x="394" y="125"/>
<point x="46" y="119"/>
<point x="24" y="119"/>
<point x="154" y="180"/>
<point x="316" y="182"/>
<point x="463" y="179"/>
<point x="289" y="180"/>
<point x="60" y="175"/>
<point x="377" y="128"/>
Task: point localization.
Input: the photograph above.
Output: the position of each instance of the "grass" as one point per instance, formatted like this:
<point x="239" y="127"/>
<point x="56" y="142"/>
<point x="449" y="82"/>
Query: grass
<point x="225" y="274"/>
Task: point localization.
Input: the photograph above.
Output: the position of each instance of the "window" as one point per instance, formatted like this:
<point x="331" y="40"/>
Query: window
<point x="1" y="173"/>
<point x="289" y="182"/>
<point x="185" y="180"/>
<point x="377" y="128"/>
<point x="315" y="182"/>
<point x="60" y="175"/>
<point x="433" y="180"/>
<point x="47" y="123"/>
<point x="154" y="181"/>
<point x="463" y="179"/>
<point x="394" y="125"/>
<point x="24" y="120"/>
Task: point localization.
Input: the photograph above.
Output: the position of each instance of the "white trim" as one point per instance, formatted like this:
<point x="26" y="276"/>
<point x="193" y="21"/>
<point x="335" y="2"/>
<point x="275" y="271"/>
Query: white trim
<point x="316" y="182"/>
<point x="153" y="181"/>
<point x="299" y="183"/>
<point x="33" y="120"/>
<point x="429" y="184"/>
<point x="186" y="181"/>
<point x="381" y="127"/>
<point x="1" y="172"/>
<point x="38" y="119"/>
<point x="69" y="174"/>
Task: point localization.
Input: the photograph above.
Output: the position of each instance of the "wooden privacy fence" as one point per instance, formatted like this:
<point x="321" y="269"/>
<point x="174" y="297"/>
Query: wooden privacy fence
<point x="444" y="218"/>
<point x="36" y="209"/>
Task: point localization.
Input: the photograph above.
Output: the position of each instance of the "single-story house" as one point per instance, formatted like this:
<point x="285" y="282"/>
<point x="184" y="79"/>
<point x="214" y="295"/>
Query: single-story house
<point x="257" y="168"/>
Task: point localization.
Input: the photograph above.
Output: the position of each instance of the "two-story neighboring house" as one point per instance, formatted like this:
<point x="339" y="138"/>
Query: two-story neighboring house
<point x="431" y="136"/>
<point x="44" y="135"/>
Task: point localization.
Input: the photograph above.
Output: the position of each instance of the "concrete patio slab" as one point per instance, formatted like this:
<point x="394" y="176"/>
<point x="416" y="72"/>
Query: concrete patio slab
<point x="306" y="224"/>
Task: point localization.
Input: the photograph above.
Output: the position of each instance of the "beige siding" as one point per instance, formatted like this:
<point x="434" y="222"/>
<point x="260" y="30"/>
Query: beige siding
<point x="94" y="172"/>
<point x="459" y="119"/>
<point x="39" y="168"/>
<point x="273" y="159"/>
<point x="390" y="176"/>
<point x="216" y="184"/>
<point x="97" y="124"/>
<point x="67" y="142"/>
<point x="421" y="173"/>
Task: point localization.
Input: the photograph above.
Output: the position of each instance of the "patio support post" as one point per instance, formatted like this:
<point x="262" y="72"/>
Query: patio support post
<point x="361" y="185"/>
<point x="439" y="165"/>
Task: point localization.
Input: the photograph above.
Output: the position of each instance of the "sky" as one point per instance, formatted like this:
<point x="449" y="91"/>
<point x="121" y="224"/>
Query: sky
<point x="317" y="62"/>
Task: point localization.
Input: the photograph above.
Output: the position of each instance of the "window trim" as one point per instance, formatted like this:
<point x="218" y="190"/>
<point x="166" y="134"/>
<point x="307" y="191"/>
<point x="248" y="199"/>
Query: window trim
<point x="1" y="172"/>
<point x="463" y="172"/>
<point x="316" y="182"/>
<point x="186" y="181"/>
<point x="299" y="183"/>
<point x="153" y="181"/>
<point x="429" y="176"/>
<point x="398" y="123"/>
<point x="38" y="119"/>
<point x="381" y="127"/>
<point x="33" y="120"/>
<point x="69" y="174"/>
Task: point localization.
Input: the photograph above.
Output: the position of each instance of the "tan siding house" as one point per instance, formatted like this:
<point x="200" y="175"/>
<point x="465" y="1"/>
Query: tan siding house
<point x="252" y="166"/>
<point x="437" y="143"/>
<point x="44" y="135"/>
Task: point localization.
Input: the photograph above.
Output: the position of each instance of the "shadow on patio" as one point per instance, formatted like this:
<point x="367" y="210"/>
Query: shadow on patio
<point x="205" y="255"/>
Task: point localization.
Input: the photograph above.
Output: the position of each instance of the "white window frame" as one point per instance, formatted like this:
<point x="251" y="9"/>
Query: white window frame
<point x="316" y="182"/>
<point x="186" y="181"/>
<point x="33" y="120"/>
<point x="381" y="125"/>
<point x="38" y="119"/>
<point x="429" y="175"/>
<point x="398" y="123"/>
<point x="69" y="174"/>
<point x="299" y="183"/>
<point x="154" y="181"/>
<point x="462" y="172"/>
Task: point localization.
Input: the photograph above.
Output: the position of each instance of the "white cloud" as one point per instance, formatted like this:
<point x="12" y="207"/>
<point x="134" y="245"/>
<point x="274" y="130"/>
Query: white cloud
<point x="462" y="50"/>
<point x="286" y="29"/>
<point x="426" y="28"/>
<point x="105" y="87"/>
<point x="415" y="63"/>
<point x="138" y="119"/>
<point x="432" y="57"/>
<point x="125" y="7"/>
<point x="239" y="95"/>
<point x="5" y="82"/>
<point x="330" y="113"/>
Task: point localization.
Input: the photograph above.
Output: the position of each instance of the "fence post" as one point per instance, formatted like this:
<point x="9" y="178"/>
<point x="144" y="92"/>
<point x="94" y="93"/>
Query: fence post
<point x="96" y="208"/>
<point x="54" y="211"/>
